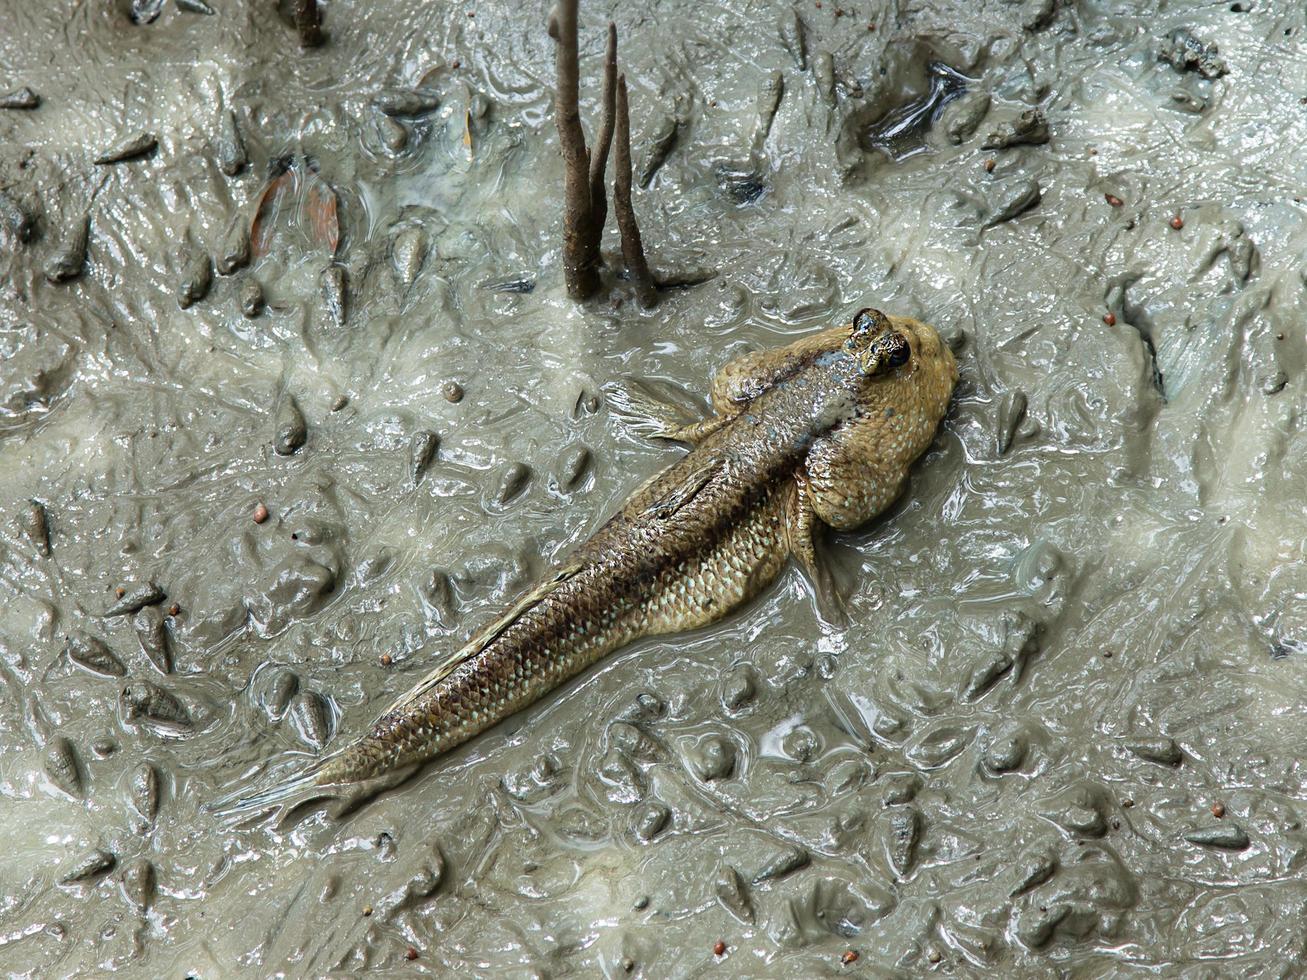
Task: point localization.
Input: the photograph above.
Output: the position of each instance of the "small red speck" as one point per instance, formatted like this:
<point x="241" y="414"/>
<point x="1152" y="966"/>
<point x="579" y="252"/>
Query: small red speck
<point x="989" y="166"/>
<point x="839" y="12"/>
<point x="260" y="514"/>
<point x="719" y="948"/>
<point x="849" y="957"/>
<point x="1113" y="200"/>
<point x="471" y="14"/>
<point x="411" y="953"/>
<point x="1093" y="151"/>
<point x="456" y="64"/>
<point x="174" y="609"/>
<point x="120" y="592"/>
<point x="387" y="660"/>
<point x="1218" y="809"/>
<point x="367" y="910"/>
<point x="1109" y="319"/>
<point x="1107" y="654"/>
<point x="818" y="4"/>
<point x="871" y="27"/>
<point x="1177" y="222"/>
<point x="1127" y="803"/>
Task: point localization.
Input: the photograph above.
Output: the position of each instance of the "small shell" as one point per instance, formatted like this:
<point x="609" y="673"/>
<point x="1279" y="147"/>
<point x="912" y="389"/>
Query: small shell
<point x="311" y="717"/>
<point x="292" y="430"/>
<point x="128" y="148"/>
<point x="92" y="655"/>
<point x="276" y="699"/>
<point x="68" y="261"/>
<point x="407" y="253"/>
<point x="36" y="526"/>
<point x="573" y="463"/>
<point x="147" y="701"/>
<point x="136" y="598"/>
<point x="152" y="634"/>
<point x="143" y="793"/>
<point x="406" y="102"/>
<point x="251" y="298"/>
<point x="61" y="766"/>
<point x="23" y="98"/>
<point x="335" y="294"/>
<point x="137" y="885"/>
<point x="88" y="866"/>
<point x="512" y="481"/>
<point x="16" y="218"/>
<point x="235" y="253"/>
<point x="231" y="148"/>
<point x="197" y="277"/>
<point x="422" y="450"/>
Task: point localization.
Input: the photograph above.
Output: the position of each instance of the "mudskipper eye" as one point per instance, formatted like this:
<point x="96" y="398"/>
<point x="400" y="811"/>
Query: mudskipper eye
<point x="869" y="321"/>
<point x="899" y="350"/>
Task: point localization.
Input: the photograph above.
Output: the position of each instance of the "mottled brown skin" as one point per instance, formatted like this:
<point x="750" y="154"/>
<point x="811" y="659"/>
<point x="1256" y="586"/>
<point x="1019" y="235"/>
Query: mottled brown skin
<point x="821" y="431"/>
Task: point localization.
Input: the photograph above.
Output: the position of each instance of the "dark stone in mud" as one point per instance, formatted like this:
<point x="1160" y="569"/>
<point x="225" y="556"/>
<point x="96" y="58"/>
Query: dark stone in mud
<point x="744" y="186"/>
<point x="624" y="781"/>
<point x="23" y="98"/>
<point x="903" y="834"/>
<point x="128" y="148"/>
<point x="1230" y="837"/>
<point x="144" y="701"/>
<point x="734" y="896"/>
<point x="69" y="260"/>
<point x="235" y="252"/>
<point x="92" y="655"/>
<point x="136" y="598"/>
<point x="251" y="298"/>
<point x="16" y="218"/>
<point x="421" y="451"/>
<point x="195" y="7"/>
<point x="1185" y="52"/>
<point x="1161" y="750"/>
<point x="35" y="524"/>
<point x="143" y="792"/>
<point x="62" y="767"/>
<point x="197" y="277"/>
<point x="310" y="716"/>
<point x="650" y="819"/>
<point x="1028" y="129"/>
<point x="137" y="885"/>
<point x="393" y="135"/>
<point x="406" y="102"/>
<point x="1005" y="752"/>
<point x="88" y="867"/>
<point x="292" y="431"/>
<point x="335" y="294"/>
<point x="152" y="635"/>
<point x="231" y="148"/>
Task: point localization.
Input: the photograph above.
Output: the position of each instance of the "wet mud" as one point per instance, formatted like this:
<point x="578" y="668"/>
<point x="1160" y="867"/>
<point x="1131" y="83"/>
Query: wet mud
<point x="292" y="399"/>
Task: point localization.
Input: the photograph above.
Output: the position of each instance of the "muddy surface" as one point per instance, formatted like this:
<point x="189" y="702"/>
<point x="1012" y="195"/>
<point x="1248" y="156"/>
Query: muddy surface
<point x="285" y="357"/>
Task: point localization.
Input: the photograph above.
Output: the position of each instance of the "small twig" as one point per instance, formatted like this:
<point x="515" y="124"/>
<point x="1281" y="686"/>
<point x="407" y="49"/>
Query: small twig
<point x="599" y="160"/>
<point x="308" y="22"/>
<point x="579" y="257"/>
<point x="632" y="247"/>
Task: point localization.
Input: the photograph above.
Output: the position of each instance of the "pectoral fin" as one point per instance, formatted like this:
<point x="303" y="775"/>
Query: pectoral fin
<point x="802" y="528"/>
<point x="660" y="410"/>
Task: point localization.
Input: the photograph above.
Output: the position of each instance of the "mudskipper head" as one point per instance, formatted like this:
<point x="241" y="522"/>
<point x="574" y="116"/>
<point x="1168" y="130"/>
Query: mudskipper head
<point x="906" y="371"/>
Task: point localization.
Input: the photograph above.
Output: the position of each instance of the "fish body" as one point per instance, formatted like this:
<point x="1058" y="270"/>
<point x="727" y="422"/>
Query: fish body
<point x="821" y="431"/>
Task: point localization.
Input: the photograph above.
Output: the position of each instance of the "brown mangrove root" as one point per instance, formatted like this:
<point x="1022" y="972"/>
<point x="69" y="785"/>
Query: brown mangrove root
<point x="632" y="246"/>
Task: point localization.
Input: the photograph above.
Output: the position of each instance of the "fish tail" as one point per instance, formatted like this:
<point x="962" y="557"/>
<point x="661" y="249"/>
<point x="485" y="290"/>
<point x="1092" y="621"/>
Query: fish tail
<point x="311" y="783"/>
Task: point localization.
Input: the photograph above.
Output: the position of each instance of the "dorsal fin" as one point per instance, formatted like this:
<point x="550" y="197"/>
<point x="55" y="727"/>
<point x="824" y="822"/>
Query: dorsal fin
<point x="485" y="637"/>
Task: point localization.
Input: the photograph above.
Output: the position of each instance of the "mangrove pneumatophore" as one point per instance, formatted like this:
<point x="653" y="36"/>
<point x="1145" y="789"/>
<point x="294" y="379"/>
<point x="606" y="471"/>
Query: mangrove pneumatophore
<point x="585" y="205"/>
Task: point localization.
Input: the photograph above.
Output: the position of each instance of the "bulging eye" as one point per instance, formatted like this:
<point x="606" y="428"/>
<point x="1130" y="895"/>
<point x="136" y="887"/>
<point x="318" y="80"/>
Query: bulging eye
<point x="899" y="353"/>
<point x="869" y="321"/>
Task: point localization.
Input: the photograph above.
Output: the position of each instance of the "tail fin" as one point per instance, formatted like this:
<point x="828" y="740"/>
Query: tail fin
<point x="284" y="795"/>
